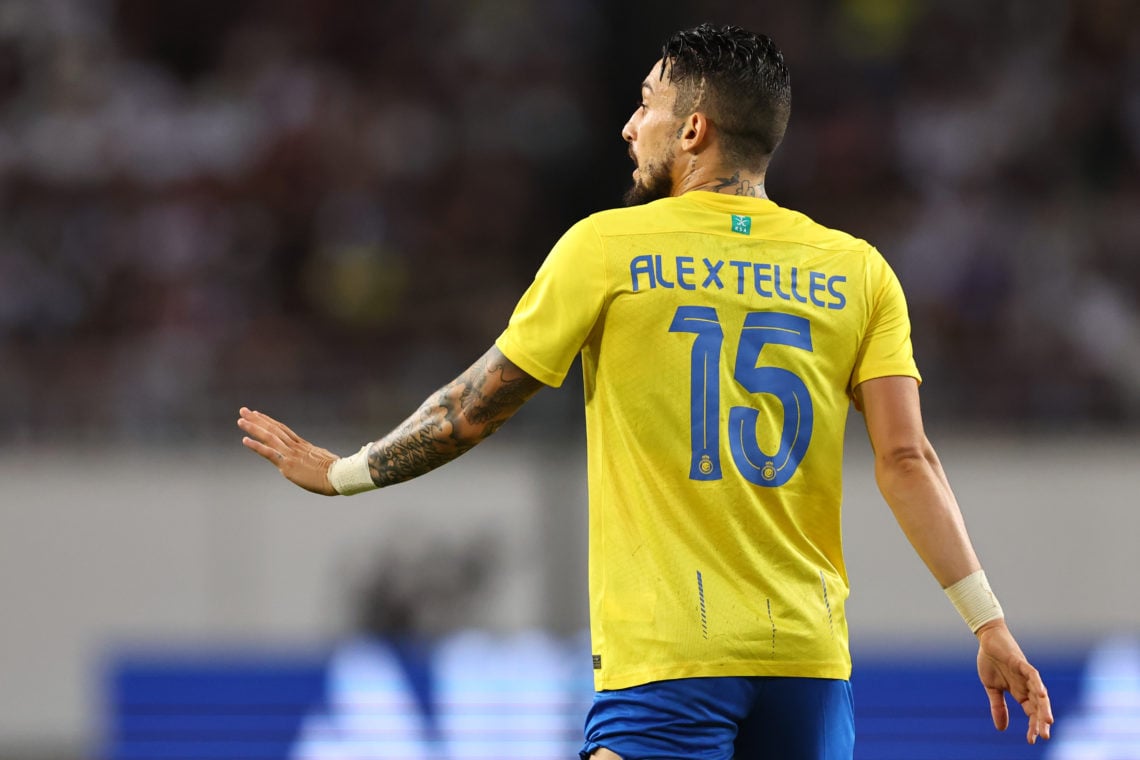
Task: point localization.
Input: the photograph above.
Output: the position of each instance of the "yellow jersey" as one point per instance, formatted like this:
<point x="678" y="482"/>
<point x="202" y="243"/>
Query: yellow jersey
<point x="721" y="337"/>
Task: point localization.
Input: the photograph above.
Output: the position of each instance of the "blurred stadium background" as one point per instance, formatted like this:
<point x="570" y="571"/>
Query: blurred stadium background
<point x="327" y="208"/>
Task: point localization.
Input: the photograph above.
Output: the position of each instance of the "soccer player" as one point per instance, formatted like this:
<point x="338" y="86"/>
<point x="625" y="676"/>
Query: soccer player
<point x="722" y="339"/>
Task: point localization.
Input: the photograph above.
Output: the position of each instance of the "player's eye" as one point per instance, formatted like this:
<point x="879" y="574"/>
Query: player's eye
<point x="641" y="105"/>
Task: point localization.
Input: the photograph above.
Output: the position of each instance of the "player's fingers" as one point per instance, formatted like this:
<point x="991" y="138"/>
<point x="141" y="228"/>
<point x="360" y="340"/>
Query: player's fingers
<point x="998" y="711"/>
<point x="273" y="456"/>
<point x="1045" y="716"/>
<point x="282" y="430"/>
<point x="251" y="415"/>
<point x="251" y="421"/>
<point x="261" y="418"/>
<point x="263" y="434"/>
<point x="1038" y="707"/>
<point x="264" y="420"/>
<point x="288" y="432"/>
<point x="251" y="428"/>
<point x="1037" y="728"/>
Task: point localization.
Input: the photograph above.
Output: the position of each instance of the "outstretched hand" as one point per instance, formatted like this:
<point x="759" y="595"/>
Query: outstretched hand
<point x="1002" y="667"/>
<point x="297" y="459"/>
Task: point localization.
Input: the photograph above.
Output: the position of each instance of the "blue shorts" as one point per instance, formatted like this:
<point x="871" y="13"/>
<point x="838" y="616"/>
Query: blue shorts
<point x="747" y="718"/>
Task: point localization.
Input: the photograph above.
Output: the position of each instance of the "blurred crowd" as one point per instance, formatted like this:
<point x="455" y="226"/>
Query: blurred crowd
<point x="330" y="208"/>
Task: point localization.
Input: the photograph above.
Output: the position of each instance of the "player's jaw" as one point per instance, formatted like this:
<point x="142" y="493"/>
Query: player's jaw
<point x="652" y="180"/>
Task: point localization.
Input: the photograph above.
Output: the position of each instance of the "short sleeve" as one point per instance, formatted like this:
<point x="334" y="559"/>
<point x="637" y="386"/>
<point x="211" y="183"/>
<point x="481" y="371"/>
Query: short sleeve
<point x="558" y="311"/>
<point x="886" y="348"/>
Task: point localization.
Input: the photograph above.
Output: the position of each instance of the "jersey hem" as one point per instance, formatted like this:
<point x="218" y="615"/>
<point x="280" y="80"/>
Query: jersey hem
<point x="838" y="671"/>
<point x="887" y="371"/>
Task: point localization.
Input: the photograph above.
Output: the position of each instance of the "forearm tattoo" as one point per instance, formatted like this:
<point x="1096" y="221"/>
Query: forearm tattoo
<point x="452" y="421"/>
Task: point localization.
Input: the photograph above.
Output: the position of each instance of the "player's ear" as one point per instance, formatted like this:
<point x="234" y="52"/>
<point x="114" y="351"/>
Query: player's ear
<point x="694" y="131"/>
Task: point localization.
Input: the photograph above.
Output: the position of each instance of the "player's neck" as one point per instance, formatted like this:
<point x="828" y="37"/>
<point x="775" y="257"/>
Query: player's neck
<point x="722" y="180"/>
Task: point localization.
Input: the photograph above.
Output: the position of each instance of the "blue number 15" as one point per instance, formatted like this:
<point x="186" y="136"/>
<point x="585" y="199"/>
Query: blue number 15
<point x="760" y="329"/>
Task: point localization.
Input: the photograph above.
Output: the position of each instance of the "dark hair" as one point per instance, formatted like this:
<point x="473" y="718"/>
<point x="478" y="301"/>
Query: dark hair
<point x="739" y="80"/>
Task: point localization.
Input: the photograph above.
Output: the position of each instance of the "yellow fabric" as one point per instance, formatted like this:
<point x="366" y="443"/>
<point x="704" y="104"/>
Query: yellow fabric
<point x="715" y="542"/>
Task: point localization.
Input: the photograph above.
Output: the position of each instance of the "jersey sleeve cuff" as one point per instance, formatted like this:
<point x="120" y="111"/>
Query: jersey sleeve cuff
<point x="527" y="364"/>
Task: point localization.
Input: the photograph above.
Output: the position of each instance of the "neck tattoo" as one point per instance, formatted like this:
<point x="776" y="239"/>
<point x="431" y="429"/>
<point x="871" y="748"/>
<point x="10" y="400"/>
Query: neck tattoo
<point x="737" y="186"/>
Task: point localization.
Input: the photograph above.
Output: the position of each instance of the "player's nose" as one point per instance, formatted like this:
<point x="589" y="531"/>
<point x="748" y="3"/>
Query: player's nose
<point x="628" y="133"/>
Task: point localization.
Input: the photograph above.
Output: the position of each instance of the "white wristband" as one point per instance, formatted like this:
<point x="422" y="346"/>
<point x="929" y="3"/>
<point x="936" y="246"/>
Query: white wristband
<point x="975" y="600"/>
<point x="350" y="475"/>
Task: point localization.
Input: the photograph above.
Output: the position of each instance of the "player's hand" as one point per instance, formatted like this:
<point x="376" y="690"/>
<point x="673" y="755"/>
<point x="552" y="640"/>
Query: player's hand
<point x="1003" y="668"/>
<point x="297" y="459"/>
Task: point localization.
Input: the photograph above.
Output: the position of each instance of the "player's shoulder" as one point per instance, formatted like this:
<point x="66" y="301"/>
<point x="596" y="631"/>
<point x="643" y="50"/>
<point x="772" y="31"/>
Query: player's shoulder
<point x="631" y="219"/>
<point x="806" y="230"/>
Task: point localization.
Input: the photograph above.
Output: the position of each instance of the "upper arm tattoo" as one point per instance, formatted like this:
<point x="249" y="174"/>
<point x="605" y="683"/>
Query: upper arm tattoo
<point x="453" y="420"/>
<point x="509" y="388"/>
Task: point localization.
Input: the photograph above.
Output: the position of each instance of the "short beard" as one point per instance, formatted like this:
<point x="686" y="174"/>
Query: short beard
<point x="653" y="185"/>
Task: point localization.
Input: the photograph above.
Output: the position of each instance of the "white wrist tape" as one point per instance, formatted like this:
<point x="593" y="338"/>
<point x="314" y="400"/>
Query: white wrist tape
<point x="350" y="475"/>
<point x="975" y="600"/>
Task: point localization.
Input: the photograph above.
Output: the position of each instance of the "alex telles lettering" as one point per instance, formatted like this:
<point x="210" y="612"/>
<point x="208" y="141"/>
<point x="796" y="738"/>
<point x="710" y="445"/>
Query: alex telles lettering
<point x="650" y="271"/>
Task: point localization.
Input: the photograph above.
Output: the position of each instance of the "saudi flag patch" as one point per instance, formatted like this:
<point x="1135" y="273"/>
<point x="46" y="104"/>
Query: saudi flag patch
<point x="742" y="224"/>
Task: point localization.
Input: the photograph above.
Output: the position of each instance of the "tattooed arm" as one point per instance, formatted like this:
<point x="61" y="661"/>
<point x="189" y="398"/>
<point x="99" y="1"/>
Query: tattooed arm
<point x="453" y="420"/>
<point x="449" y="423"/>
